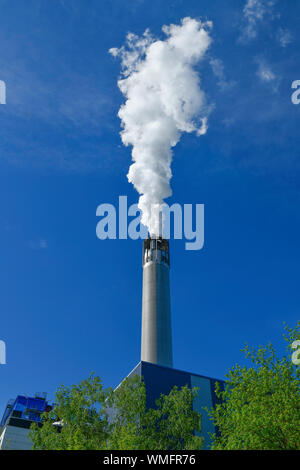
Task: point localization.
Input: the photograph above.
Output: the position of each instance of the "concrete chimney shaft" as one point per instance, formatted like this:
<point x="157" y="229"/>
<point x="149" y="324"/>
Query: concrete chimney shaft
<point x="156" y="315"/>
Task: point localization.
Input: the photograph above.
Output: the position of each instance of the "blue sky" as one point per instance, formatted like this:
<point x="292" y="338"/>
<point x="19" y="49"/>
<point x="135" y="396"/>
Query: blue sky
<point x="70" y="303"/>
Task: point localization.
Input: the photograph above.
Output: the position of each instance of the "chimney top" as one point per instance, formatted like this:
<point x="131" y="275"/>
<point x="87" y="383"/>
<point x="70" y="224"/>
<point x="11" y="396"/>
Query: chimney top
<point x="156" y="250"/>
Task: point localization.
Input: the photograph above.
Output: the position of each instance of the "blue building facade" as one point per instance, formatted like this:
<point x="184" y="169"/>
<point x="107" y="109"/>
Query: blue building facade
<point x="18" y="416"/>
<point x="160" y="380"/>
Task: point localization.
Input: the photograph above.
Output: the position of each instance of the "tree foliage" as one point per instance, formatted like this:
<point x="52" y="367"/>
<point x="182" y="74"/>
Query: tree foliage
<point x="87" y="416"/>
<point x="260" y="406"/>
<point x="78" y="421"/>
<point x="169" y="425"/>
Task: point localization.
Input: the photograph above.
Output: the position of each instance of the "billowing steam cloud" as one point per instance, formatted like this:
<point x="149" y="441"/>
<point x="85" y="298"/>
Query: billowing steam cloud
<point x="163" y="99"/>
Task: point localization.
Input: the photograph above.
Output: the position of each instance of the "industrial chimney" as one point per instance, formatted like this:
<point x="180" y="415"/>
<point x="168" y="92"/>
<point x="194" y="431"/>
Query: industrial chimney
<point x="156" y="314"/>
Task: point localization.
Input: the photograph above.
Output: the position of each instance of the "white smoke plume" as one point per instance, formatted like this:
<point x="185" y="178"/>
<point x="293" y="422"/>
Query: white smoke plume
<point x="163" y="99"/>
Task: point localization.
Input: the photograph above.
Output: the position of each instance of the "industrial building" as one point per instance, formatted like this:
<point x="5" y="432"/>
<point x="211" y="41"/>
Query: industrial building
<point x="156" y="365"/>
<point x="160" y="379"/>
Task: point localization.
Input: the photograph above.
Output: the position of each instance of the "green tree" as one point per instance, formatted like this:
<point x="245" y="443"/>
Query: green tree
<point x="260" y="406"/>
<point x="80" y="417"/>
<point x="170" y="425"/>
<point x="90" y="417"/>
